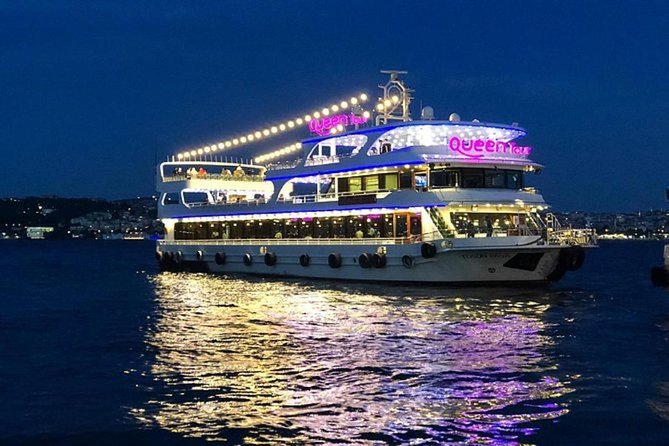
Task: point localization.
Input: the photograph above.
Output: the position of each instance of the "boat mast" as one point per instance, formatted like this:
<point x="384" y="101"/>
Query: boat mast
<point x="394" y="105"/>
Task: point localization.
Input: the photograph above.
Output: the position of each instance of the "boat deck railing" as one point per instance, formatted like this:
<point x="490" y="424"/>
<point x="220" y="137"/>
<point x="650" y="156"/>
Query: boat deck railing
<point x="294" y="199"/>
<point x="305" y="241"/>
<point x="571" y="236"/>
<point x="213" y="176"/>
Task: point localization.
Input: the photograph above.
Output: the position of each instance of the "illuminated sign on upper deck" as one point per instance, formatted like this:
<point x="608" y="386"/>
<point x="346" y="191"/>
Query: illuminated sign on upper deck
<point x="479" y="148"/>
<point x="324" y="126"/>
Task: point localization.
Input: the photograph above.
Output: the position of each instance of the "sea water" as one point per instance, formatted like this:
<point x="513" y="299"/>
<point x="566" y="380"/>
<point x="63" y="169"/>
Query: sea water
<point x="99" y="347"/>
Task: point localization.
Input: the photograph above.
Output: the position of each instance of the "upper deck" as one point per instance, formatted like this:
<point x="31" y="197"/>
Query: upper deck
<point x="173" y="176"/>
<point x="410" y="143"/>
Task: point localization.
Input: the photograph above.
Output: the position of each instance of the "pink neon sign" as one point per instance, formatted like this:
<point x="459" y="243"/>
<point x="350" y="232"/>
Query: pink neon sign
<point x="477" y="148"/>
<point x="323" y="126"/>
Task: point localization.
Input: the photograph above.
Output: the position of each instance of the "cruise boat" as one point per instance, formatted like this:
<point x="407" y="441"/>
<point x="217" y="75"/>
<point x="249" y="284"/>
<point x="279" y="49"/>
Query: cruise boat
<point x="371" y="196"/>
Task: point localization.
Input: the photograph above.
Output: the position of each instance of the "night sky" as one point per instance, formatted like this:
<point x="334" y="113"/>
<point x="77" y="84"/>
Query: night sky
<point x="93" y="94"/>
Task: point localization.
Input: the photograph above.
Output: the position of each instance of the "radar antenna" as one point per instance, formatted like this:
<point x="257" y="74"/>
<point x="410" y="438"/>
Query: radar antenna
<point x="394" y="105"/>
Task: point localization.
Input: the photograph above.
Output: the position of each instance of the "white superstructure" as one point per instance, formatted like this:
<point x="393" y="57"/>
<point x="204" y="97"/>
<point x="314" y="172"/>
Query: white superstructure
<point x="402" y="200"/>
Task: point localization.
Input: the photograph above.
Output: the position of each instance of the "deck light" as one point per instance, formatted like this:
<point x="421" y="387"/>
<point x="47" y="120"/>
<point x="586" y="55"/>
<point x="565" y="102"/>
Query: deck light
<point x="281" y="127"/>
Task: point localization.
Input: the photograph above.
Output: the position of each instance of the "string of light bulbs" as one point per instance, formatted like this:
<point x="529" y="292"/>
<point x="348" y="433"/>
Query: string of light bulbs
<point x="269" y="156"/>
<point x="272" y="130"/>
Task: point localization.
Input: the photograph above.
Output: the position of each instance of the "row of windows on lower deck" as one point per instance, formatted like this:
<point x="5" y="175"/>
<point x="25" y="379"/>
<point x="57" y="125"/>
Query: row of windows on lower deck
<point x="385" y="225"/>
<point x="434" y="178"/>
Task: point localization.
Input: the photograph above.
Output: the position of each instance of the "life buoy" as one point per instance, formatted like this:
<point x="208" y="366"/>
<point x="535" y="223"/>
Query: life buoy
<point x="428" y="250"/>
<point x="159" y="256"/>
<point x="334" y="260"/>
<point x="199" y="255"/>
<point x="379" y="260"/>
<point x="248" y="259"/>
<point x="365" y="260"/>
<point x="407" y="261"/>
<point x="220" y="258"/>
<point x="270" y="259"/>
<point x="178" y="257"/>
<point x="304" y="260"/>
<point x="169" y="257"/>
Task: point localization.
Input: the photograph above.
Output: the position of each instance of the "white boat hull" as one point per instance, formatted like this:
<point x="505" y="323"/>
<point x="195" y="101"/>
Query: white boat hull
<point x="404" y="263"/>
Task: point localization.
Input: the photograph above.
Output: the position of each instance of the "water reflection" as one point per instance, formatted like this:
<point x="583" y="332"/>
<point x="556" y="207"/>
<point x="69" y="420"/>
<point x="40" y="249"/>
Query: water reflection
<point x="321" y="362"/>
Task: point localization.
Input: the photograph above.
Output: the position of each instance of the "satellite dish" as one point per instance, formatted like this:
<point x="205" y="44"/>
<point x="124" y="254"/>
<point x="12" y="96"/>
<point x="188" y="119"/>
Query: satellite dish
<point x="427" y="113"/>
<point x="475" y="120"/>
<point x="454" y="117"/>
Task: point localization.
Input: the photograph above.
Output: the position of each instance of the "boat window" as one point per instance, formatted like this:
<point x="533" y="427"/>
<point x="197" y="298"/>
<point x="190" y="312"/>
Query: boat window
<point x="472" y="223"/>
<point x="388" y="181"/>
<point x="355" y="226"/>
<point x="331" y="150"/>
<point x="514" y="180"/>
<point x="495" y="178"/>
<point x="406" y="180"/>
<point x="401" y="225"/>
<point x="489" y="178"/>
<point x="343" y="185"/>
<point x="171" y="198"/>
<point x="415" y="223"/>
<point x="472" y="178"/>
<point x="192" y="197"/>
<point x="371" y="182"/>
<point x="355" y="184"/>
<point x="421" y="180"/>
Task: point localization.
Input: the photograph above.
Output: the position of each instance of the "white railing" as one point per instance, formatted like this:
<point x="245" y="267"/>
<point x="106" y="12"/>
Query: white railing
<point x="213" y="176"/>
<point x="571" y="236"/>
<point x="295" y="199"/>
<point x="303" y="241"/>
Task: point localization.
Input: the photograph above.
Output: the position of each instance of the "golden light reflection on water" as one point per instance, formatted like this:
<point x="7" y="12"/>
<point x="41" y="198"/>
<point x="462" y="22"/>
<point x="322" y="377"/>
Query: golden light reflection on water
<point x="318" y="362"/>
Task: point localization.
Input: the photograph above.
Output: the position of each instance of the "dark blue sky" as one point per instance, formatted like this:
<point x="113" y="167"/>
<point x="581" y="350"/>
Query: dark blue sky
<point x="91" y="93"/>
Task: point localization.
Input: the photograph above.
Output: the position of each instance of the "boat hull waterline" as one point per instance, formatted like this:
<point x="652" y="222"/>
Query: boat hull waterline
<point x="405" y="263"/>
